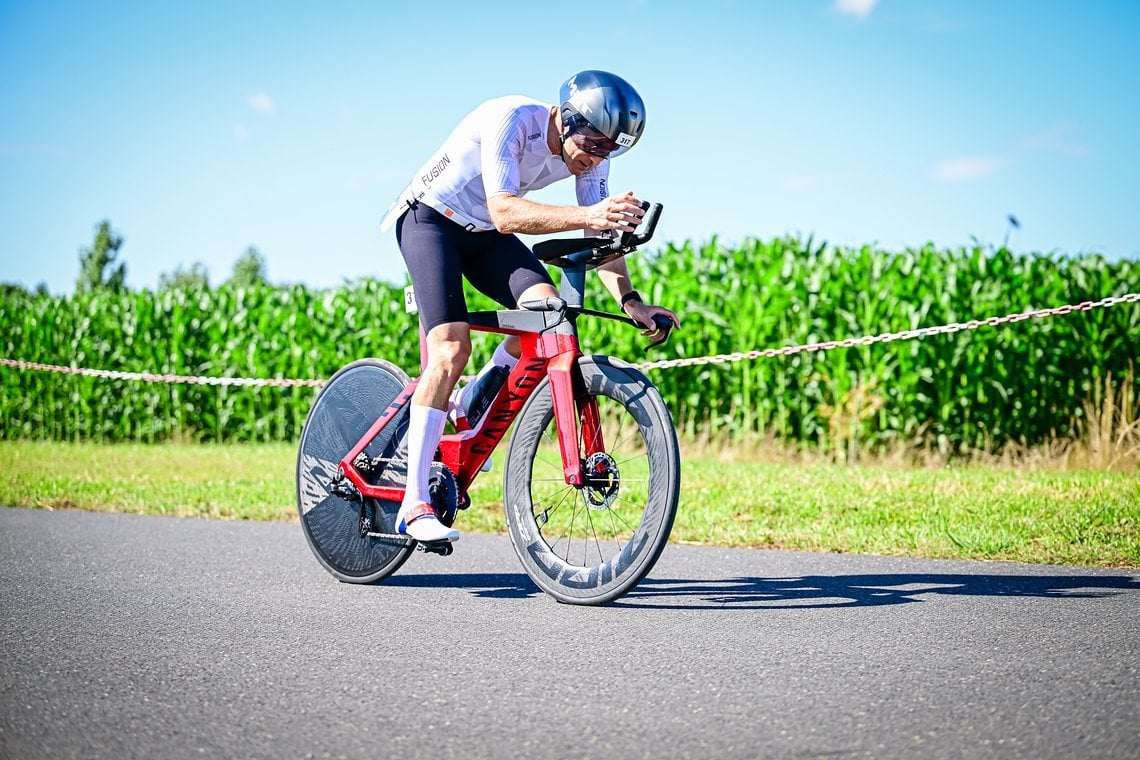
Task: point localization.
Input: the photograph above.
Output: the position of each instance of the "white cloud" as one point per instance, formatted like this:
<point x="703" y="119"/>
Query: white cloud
<point x="858" y="8"/>
<point x="262" y="103"/>
<point x="967" y="168"/>
<point x="1053" y="139"/>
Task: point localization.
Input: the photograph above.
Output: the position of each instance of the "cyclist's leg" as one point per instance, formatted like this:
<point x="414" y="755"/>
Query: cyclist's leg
<point x="512" y="345"/>
<point x="431" y="246"/>
<point x="509" y="272"/>
<point x="448" y="347"/>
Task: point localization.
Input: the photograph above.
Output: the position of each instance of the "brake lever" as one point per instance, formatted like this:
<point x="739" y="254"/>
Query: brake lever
<point x="661" y="322"/>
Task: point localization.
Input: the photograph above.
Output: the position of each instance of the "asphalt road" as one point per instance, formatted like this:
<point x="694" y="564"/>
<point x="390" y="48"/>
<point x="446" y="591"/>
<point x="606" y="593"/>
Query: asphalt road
<point x="125" y="636"/>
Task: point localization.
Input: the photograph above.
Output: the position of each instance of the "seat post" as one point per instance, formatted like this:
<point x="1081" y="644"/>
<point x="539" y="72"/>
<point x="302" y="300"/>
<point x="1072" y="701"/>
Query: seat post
<point x="573" y="286"/>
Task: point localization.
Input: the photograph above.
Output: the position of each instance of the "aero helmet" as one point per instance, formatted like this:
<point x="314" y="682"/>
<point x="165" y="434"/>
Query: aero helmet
<point x="601" y="113"/>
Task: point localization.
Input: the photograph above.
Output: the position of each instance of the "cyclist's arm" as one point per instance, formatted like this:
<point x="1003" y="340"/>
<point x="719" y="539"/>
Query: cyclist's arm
<point x="615" y="276"/>
<point x="512" y="214"/>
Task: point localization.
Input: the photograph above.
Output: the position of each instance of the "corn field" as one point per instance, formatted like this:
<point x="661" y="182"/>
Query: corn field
<point x="1024" y="383"/>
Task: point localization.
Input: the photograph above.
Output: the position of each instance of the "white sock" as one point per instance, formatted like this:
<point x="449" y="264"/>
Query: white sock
<point x="425" y="428"/>
<point x="500" y="359"/>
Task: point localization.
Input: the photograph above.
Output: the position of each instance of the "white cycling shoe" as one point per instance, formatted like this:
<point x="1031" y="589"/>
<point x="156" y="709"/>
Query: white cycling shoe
<point x="421" y="523"/>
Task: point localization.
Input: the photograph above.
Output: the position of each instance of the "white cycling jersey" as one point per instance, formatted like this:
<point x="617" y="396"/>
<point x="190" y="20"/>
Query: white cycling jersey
<point x="499" y="148"/>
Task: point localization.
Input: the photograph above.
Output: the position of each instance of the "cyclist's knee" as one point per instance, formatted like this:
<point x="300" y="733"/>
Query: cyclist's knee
<point x="451" y="356"/>
<point x="538" y="291"/>
<point x="449" y="347"/>
<point x="513" y="346"/>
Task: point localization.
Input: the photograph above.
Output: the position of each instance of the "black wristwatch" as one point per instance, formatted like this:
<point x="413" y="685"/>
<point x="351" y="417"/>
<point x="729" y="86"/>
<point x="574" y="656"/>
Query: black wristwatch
<point x="632" y="295"/>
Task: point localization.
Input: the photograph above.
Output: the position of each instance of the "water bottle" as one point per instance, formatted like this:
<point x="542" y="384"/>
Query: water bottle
<point x="486" y="389"/>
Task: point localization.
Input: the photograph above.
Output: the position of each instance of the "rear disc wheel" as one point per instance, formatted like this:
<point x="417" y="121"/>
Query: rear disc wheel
<point x="346" y="408"/>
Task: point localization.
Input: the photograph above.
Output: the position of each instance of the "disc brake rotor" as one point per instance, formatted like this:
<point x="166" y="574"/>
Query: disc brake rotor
<point x="603" y="480"/>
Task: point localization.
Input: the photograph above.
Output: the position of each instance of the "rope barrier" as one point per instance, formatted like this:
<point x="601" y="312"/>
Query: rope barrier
<point x="865" y="340"/>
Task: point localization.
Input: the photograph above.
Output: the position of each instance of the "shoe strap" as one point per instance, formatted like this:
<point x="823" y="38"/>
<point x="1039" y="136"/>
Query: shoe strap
<point x="418" y="511"/>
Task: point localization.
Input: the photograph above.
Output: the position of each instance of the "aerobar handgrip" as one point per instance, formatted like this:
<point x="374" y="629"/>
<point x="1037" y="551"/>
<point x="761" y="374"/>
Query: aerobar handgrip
<point x="624" y="241"/>
<point x="597" y="250"/>
<point x="650" y="223"/>
<point x="627" y="241"/>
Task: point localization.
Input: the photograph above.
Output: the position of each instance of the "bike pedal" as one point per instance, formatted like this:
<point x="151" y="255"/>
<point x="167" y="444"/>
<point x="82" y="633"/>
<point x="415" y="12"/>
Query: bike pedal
<point x="442" y="548"/>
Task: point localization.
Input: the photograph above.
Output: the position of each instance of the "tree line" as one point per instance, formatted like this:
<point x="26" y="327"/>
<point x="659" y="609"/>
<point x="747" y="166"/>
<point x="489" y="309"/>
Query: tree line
<point x="102" y="271"/>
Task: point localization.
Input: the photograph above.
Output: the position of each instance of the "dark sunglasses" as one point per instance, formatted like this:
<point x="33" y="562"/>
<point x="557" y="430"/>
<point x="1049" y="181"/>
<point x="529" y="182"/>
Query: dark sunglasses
<point x="585" y="137"/>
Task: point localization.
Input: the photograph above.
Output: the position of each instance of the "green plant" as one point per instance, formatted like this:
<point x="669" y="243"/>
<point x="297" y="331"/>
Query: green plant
<point x="1021" y="384"/>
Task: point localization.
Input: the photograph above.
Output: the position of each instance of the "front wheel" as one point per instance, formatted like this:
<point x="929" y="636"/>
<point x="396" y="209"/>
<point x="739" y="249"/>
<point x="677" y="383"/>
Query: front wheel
<point x="592" y="544"/>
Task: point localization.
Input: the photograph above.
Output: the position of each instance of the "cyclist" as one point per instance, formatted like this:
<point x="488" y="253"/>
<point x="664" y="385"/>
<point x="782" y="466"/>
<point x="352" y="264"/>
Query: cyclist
<point x="459" y="218"/>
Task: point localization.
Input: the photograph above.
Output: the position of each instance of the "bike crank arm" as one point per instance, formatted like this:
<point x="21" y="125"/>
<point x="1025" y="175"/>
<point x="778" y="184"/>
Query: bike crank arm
<point x="442" y="548"/>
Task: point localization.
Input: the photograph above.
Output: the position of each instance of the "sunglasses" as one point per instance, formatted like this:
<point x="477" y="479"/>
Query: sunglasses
<point x="586" y="138"/>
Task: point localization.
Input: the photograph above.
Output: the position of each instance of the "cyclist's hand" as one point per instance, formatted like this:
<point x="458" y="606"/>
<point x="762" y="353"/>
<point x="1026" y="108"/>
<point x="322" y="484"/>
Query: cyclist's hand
<point x="619" y="212"/>
<point x="644" y="314"/>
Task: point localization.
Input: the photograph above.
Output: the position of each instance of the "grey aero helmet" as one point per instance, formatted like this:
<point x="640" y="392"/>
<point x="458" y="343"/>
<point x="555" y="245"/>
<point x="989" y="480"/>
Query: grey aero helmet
<point x="602" y="112"/>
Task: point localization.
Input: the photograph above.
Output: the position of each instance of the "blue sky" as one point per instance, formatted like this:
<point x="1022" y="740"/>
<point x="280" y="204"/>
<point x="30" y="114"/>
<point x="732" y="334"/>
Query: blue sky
<point x="199" y="129"/>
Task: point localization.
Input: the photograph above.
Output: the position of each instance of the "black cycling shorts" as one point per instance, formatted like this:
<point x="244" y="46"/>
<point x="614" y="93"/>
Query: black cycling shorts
<point x="440" y="253"/>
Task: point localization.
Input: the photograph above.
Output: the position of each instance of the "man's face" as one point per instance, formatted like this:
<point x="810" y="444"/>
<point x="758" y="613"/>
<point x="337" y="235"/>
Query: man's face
<point x="578" y="160"/>
<point x="583" y="147"/>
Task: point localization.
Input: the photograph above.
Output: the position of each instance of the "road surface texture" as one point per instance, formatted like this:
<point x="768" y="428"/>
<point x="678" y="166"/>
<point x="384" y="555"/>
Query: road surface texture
<point x="126" y="636"/>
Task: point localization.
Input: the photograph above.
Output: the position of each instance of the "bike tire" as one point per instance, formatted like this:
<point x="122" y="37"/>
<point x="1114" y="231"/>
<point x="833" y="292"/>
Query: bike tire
<point x="619" y="539"/>
<point x="342" y="413"/>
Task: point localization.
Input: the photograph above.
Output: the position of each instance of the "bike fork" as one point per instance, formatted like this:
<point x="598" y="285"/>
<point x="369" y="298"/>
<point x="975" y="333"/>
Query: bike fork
<point x="576" y="416"/>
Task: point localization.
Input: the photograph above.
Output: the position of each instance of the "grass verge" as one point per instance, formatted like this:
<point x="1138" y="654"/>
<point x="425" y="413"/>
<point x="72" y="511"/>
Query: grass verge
<point x="974" y="511"/>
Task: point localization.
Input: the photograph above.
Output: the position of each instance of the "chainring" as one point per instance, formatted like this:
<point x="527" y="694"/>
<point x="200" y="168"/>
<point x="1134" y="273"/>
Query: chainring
<point x="444" y="492"/>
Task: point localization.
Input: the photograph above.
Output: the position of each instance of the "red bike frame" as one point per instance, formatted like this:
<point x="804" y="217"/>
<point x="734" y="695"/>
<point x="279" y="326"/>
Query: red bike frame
<point x="549" y="336"/>
<point x="550" y="352"/>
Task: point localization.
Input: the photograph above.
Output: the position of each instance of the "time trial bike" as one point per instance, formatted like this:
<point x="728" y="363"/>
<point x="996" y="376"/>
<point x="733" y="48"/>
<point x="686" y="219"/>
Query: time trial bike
<point x="592" y="472"/>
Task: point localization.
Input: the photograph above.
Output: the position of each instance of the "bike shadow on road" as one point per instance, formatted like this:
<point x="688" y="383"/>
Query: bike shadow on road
<point x="807" y="592"/>
<point x="865" y="590"/>
<point x="487" y="585"/>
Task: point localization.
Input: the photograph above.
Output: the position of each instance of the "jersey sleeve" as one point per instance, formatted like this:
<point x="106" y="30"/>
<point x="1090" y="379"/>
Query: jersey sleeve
<point x="501" y="141"/>
<point x="592" y="184"/>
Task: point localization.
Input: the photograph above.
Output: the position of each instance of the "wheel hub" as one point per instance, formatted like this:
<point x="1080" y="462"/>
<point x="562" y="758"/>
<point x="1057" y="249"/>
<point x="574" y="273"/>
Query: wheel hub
<point x="603" y="480"/>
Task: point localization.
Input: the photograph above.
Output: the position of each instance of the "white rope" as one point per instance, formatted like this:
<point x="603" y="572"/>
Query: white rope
<point x="865" y="340"/>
